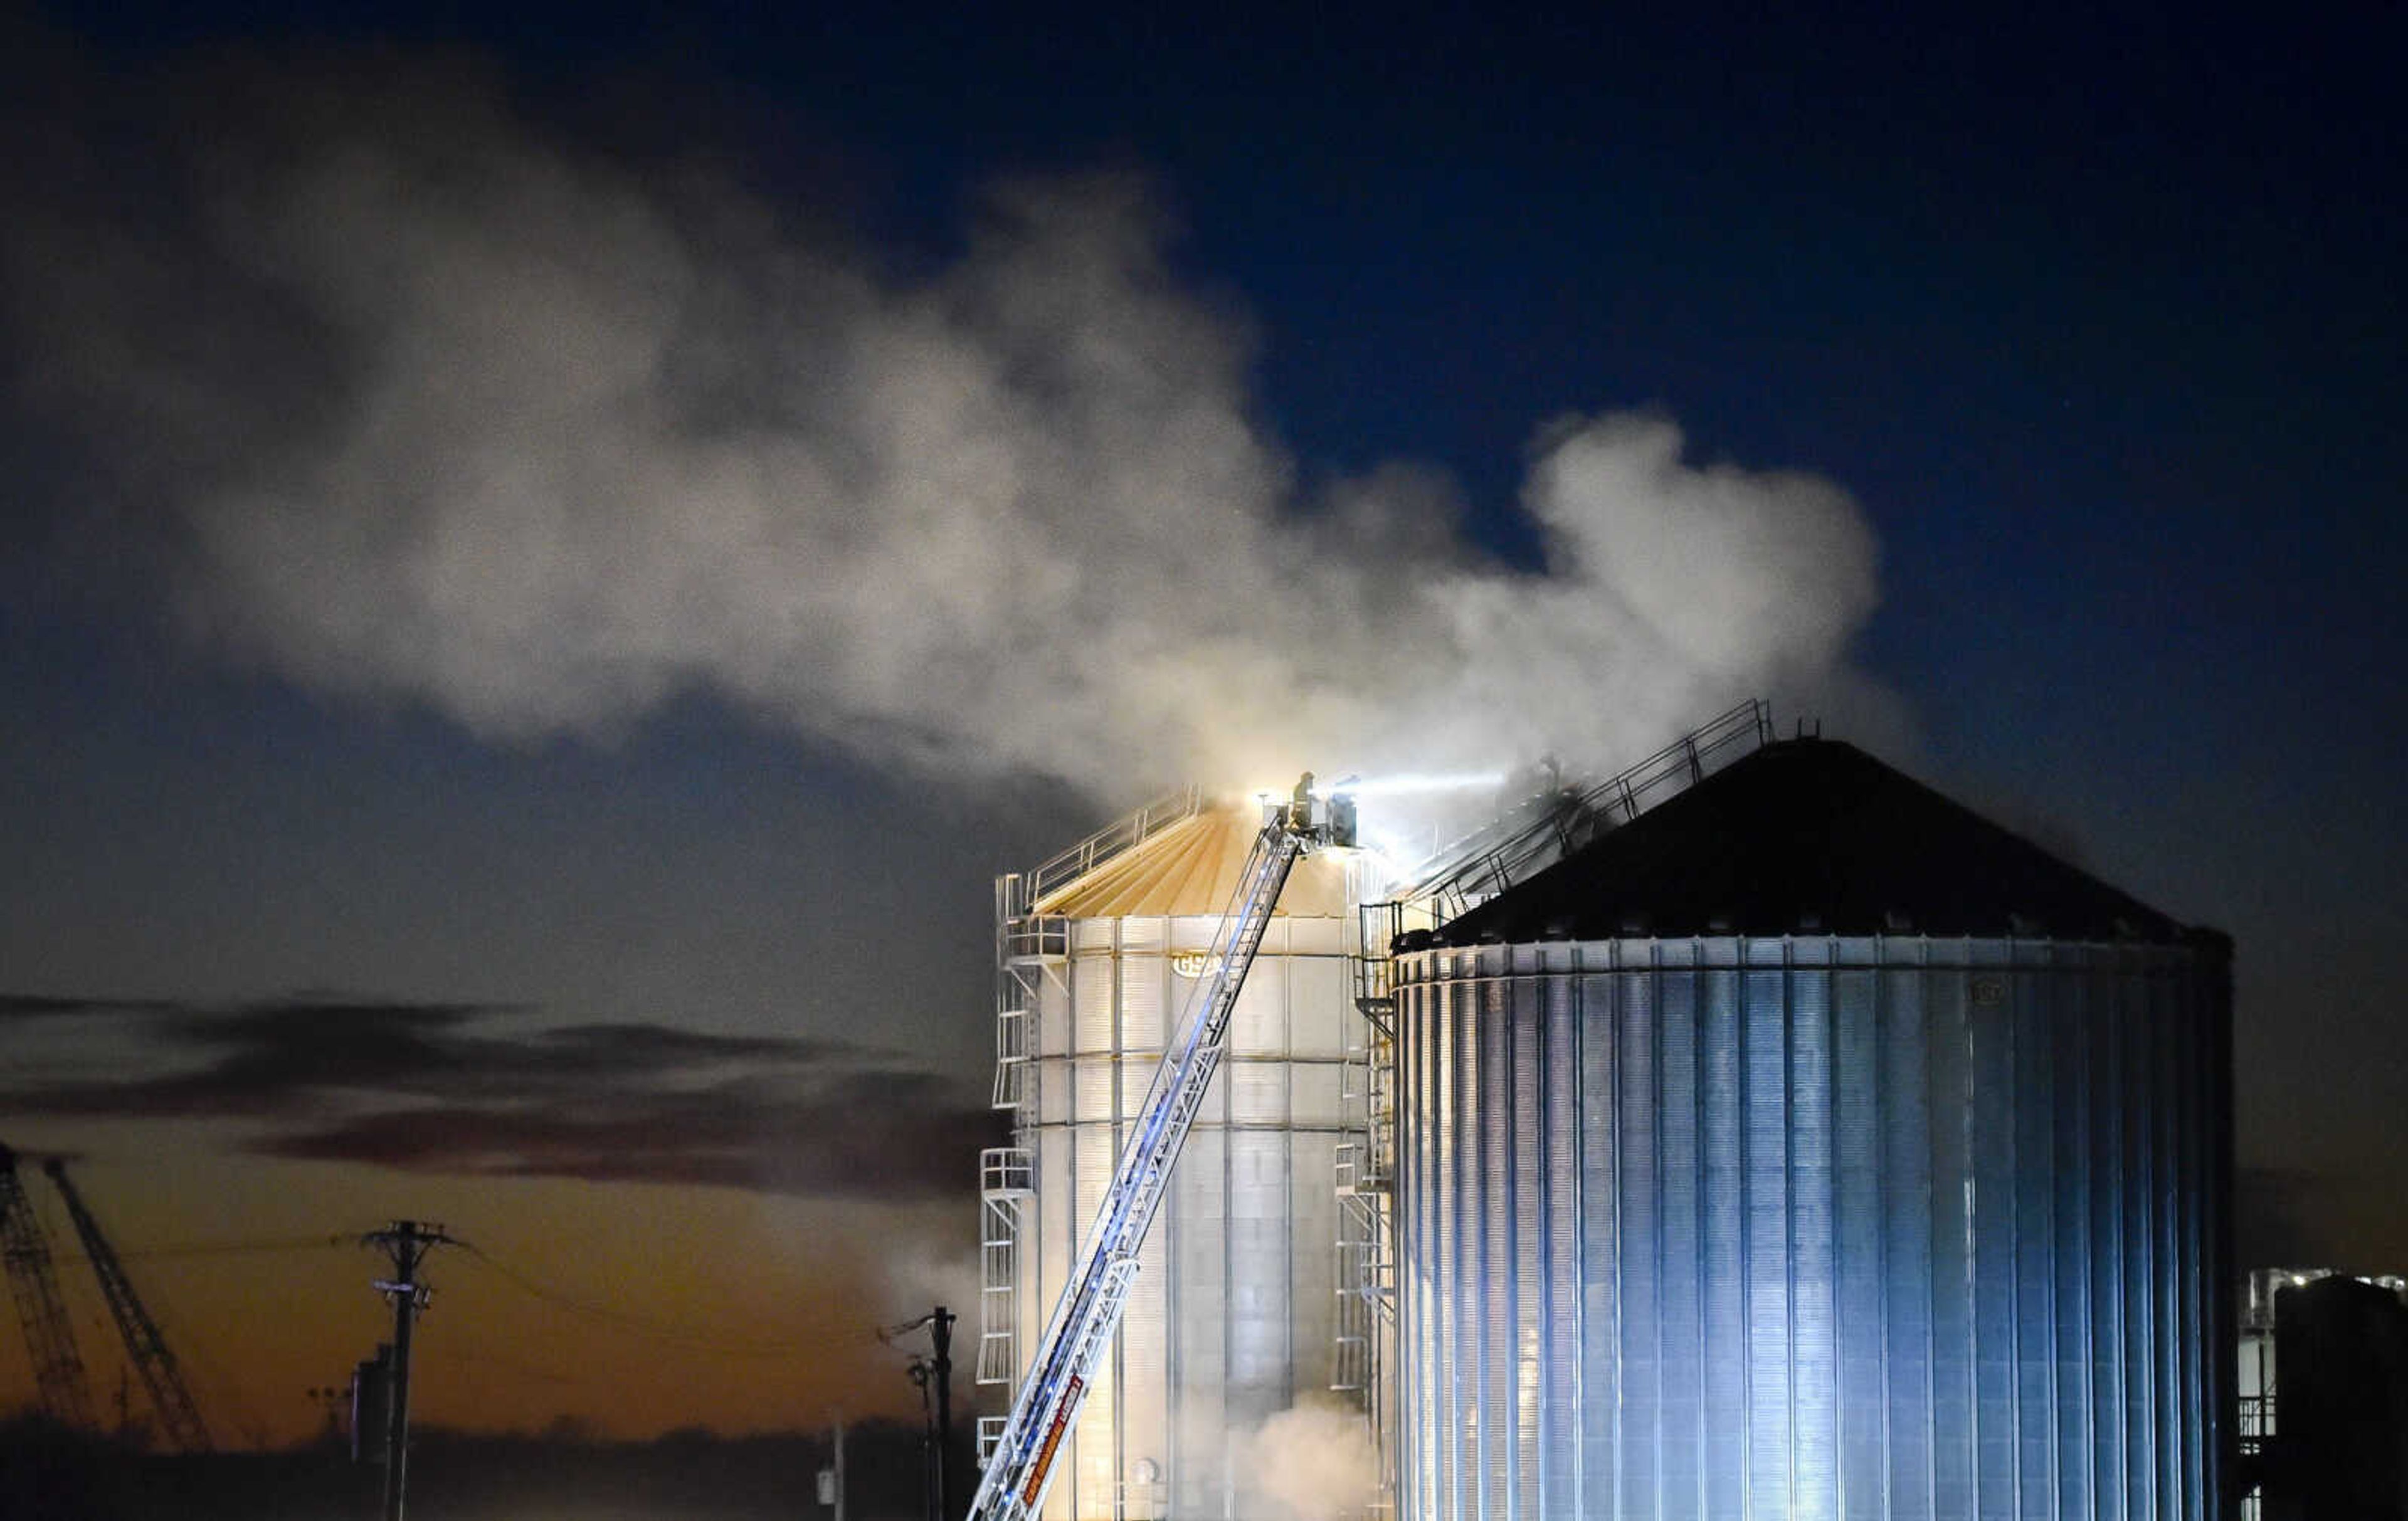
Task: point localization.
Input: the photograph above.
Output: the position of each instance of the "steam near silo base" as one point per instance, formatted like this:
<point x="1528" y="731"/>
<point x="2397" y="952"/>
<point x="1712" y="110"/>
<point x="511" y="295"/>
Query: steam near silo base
<point x="1314" y="1462"/>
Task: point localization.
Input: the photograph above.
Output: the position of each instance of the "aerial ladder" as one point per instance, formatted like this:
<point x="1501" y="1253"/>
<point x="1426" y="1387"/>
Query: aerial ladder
<point x="144" y="1346"/>
<point x="1021" y="1468"/>
<point x="50" y="1339"/>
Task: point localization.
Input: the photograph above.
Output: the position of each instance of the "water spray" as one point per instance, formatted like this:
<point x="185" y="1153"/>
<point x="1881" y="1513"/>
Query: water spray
<point x="1408" y="783"/>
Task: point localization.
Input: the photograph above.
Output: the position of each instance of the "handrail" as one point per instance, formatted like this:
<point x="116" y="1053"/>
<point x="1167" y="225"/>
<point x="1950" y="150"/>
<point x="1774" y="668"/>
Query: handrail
<point x="1500" y="850"/>
<point x="1124" y="833"/>
<point x="1006" y="1169"/>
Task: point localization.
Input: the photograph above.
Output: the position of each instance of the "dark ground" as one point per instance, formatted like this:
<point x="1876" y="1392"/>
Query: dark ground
<point x="54" y="1474"/>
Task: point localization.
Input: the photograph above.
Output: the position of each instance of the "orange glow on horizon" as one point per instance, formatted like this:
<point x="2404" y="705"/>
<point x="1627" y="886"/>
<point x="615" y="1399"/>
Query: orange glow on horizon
<point x="622" y="1309"/>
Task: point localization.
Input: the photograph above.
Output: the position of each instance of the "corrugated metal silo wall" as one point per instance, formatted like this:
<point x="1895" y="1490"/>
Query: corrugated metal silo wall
<point x="1232" y="1317"/>
<point x="1894" y="1228"/>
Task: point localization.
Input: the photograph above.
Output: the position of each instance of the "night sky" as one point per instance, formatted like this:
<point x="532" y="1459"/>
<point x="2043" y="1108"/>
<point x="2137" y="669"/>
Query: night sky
<point x="551" y="556"/>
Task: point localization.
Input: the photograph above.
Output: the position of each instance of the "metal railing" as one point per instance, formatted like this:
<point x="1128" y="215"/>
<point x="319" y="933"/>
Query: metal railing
<point x="1011" y="1058"/>
<point x="1551" y="825"/>
<point x="1007" y="1178"/>
<point x="1006" y="1169"/>
<point x="1033" y="936"/>
<point x="1125" y="833"/>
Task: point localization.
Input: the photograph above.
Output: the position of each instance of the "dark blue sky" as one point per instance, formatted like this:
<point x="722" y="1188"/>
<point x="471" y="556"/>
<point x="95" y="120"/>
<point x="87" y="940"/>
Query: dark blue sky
<point x="2095" y="312"/>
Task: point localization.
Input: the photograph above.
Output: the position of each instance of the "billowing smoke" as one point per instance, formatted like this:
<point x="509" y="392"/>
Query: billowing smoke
<point x="939" y="1265"/>
<point x="1314" y="1462"/>
<point x="426" y="406"/>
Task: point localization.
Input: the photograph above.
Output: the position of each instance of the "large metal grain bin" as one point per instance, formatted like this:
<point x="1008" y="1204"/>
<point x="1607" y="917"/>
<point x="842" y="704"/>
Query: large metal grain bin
<point x="1811" y="1147"/>
<point x="1233" y="1316"/>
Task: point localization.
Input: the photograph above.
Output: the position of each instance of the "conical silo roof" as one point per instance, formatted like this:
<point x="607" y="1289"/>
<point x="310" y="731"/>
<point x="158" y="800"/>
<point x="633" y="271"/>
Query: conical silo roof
<point x="1191" y="868"/>
<point x="1811" y="835"/>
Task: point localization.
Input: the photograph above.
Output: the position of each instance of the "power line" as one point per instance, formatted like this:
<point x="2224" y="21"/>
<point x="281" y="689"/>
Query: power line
<point x="508" y="1365"/>
<point x="225" y="1394"/>
<point x="212" y="1249"/>
<point x="636" y="1325"/>
<point x="171" y="1398"/>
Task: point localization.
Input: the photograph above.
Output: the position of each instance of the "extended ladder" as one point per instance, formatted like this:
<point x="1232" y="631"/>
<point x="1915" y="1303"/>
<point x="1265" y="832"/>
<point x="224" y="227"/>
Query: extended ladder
<point x="1082" y="1324"/>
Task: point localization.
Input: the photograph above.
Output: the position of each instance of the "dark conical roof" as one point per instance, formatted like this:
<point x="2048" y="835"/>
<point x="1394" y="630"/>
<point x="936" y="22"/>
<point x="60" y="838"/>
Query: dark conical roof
<point x="1811" y="835"/>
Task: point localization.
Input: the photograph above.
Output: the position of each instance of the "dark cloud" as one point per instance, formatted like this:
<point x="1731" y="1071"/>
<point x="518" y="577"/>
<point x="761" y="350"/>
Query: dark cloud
<point x="265" y="1060"/>
<point x="38" y="1006"/>
<point x="898" y="1138"/>
<point x="438" y="1087"/>
<point x="294" y="1056"/>
<point x="609" y="1047"/>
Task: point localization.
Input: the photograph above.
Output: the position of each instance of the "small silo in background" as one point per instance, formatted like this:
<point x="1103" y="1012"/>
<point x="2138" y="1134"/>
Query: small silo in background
<point x="1810" y="1147"/>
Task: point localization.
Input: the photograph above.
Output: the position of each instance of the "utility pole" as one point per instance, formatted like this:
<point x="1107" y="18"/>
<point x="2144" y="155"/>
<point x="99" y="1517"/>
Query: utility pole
<point x="406" y="1243"/>
<point x="941" y="1331"/>
<point x="934" y="1378"/>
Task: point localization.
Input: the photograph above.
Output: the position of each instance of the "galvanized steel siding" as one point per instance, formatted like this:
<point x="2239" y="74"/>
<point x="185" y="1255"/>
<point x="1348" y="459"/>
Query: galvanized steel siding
<point x="1908" y="1229"/>
<point x="1233" y="1315"/>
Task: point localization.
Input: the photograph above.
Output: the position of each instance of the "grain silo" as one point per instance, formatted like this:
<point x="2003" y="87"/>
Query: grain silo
<point x="1810" y="1147"/>
<point x="1234" y="1314"/>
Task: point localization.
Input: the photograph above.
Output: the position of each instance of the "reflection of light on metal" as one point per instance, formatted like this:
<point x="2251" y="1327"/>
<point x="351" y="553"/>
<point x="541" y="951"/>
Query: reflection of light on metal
<point x="1892" y="1070"/>
<point x="1192" y="963"/>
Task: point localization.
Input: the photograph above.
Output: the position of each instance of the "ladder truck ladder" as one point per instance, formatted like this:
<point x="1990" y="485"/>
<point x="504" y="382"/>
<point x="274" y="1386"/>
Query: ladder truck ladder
<point x="171" y="1398"/>
<point x="1013" y="1488"/>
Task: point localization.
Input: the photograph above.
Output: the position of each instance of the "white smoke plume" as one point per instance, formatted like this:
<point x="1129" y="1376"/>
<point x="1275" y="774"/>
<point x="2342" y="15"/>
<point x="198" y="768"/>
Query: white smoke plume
<point x="940" y="1266"/>
<point x="1314" y="1462"/>
<point x="434" y="408"/>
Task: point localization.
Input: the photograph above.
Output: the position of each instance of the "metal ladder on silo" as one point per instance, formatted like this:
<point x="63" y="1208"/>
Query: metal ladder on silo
<point x="1365" y="1165"/>
<point x="1563" y="818"/>
<point x="1030" y="947"/>
<point x="1007" y="1181"/>
<point x="1022" y="1467"/>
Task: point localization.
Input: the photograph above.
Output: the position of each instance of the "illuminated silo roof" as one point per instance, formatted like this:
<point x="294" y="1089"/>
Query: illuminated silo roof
<point x="1811" y="834"/>
<point x="1191" y="868"/>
